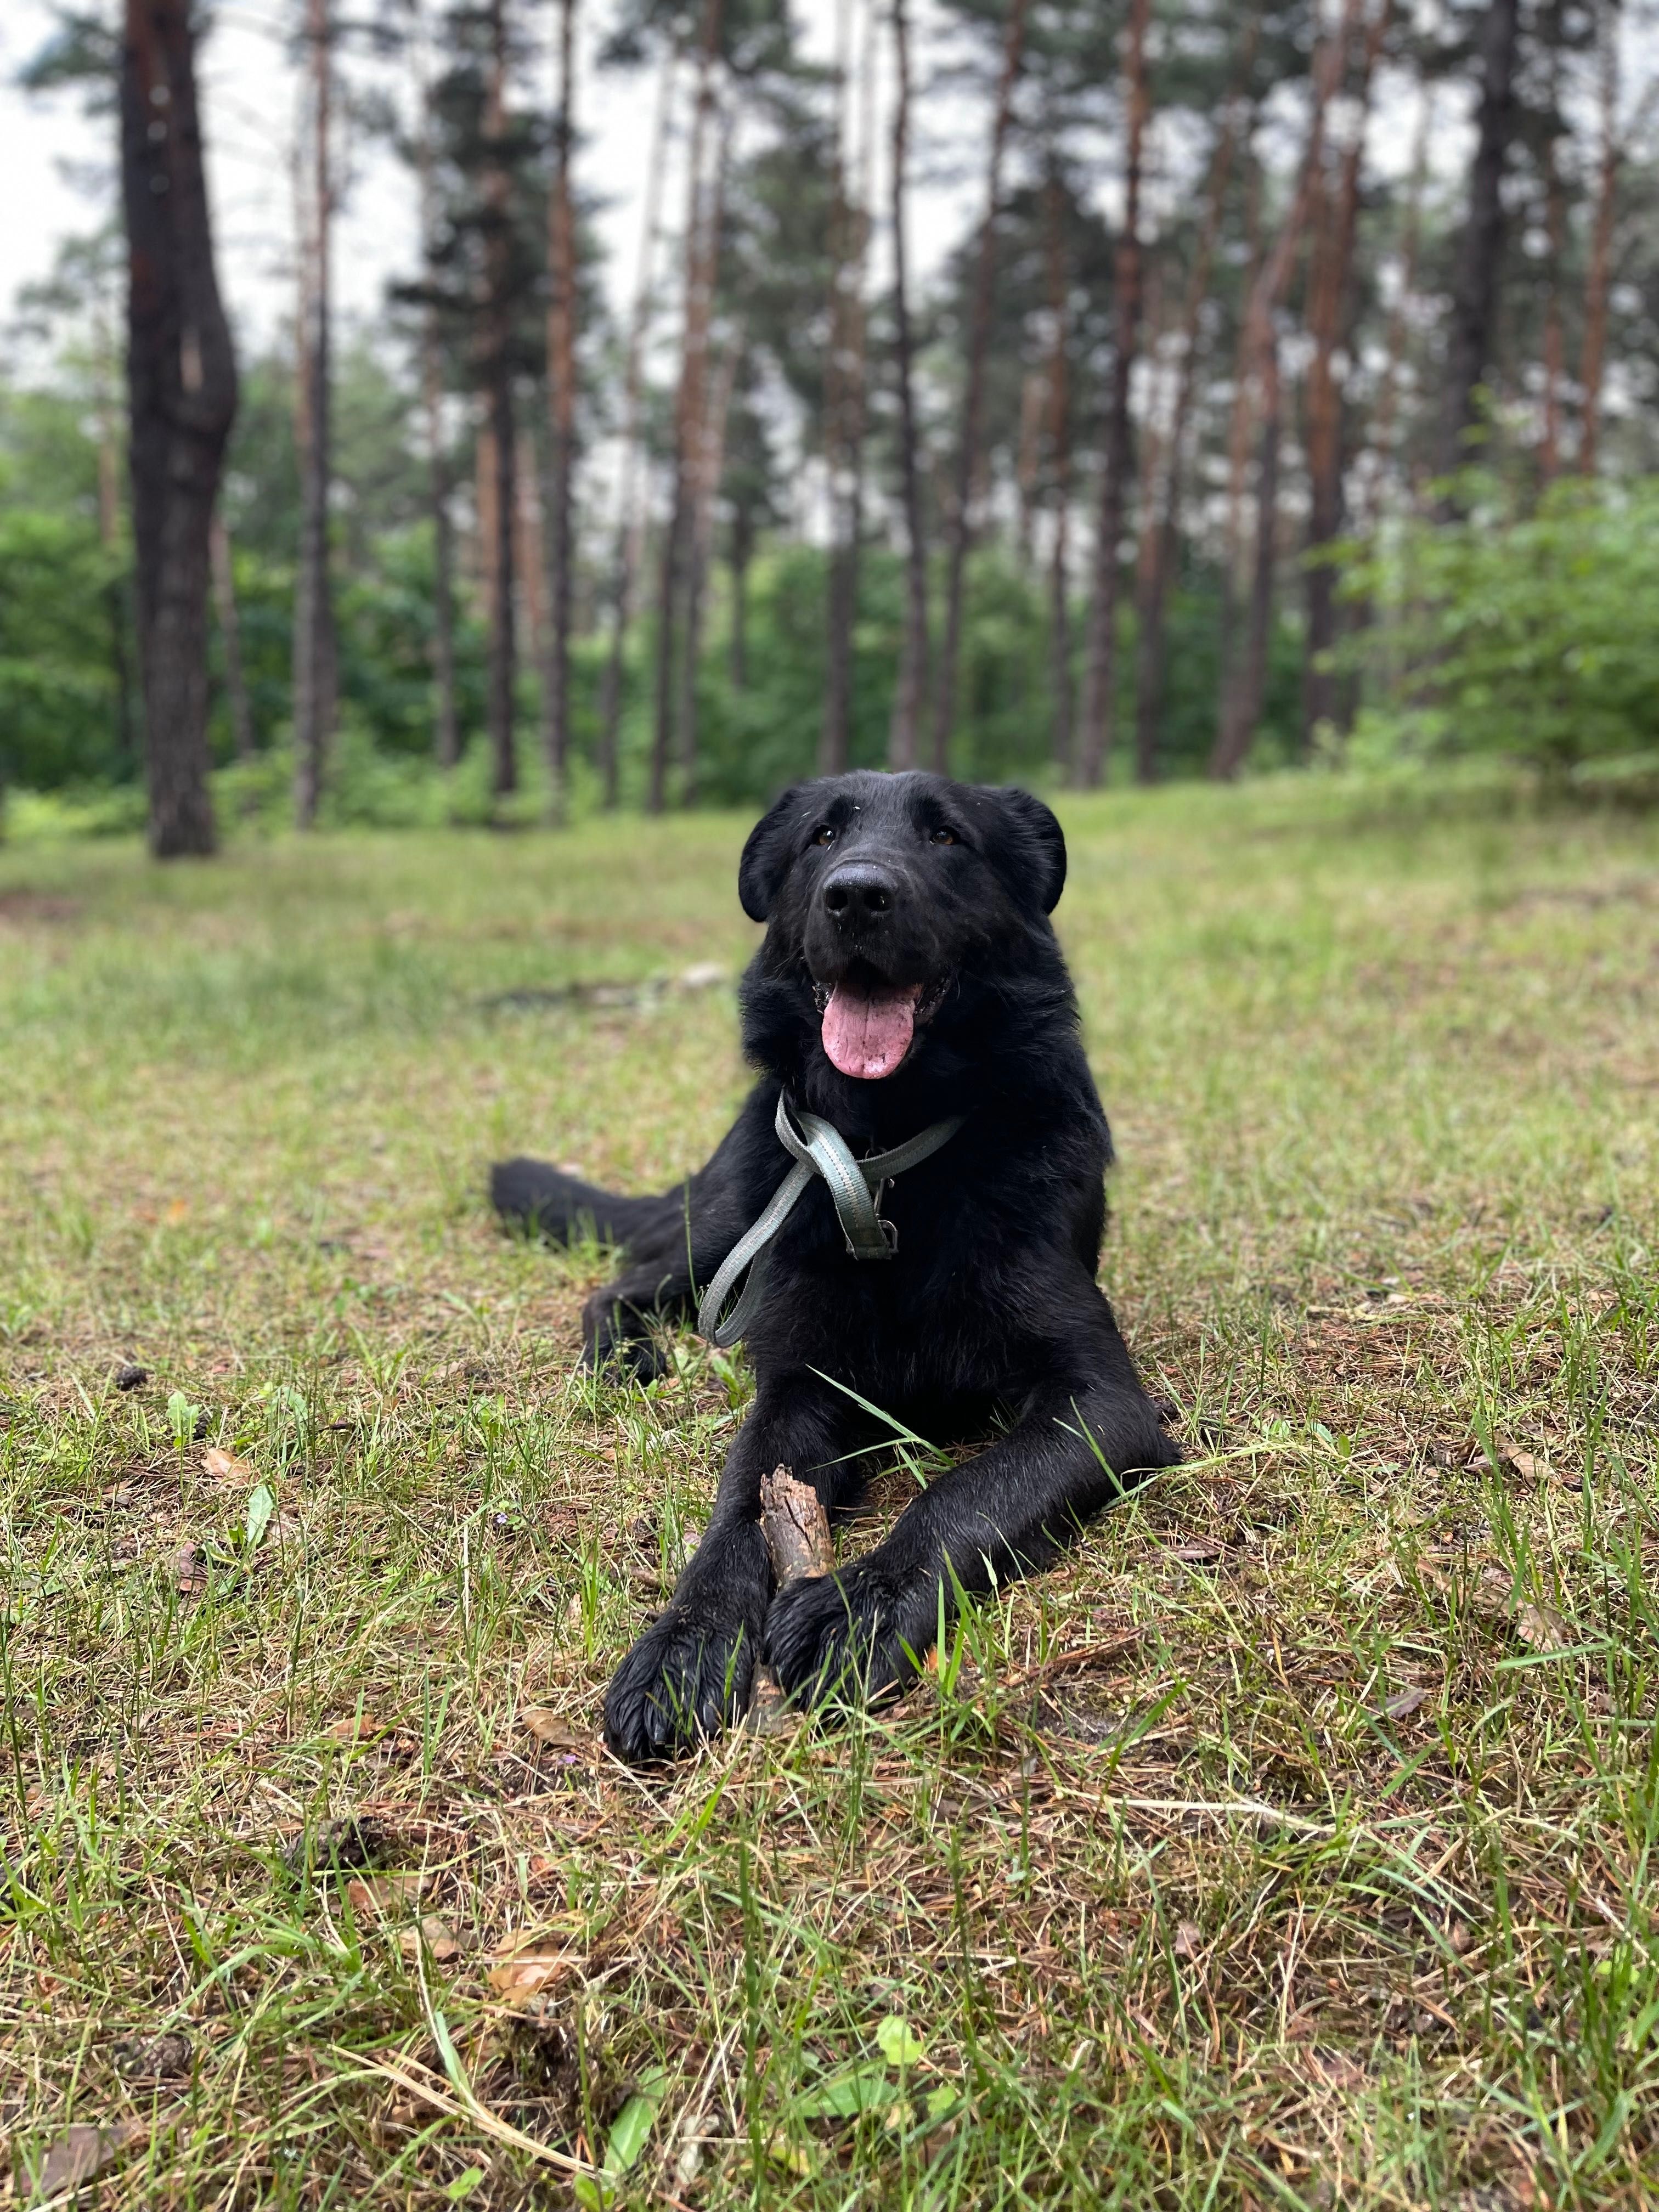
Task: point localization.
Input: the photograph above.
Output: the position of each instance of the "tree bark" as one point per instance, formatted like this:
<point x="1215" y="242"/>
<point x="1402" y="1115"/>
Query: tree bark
<point x="979" y="341"/>
<point x="677" y="549"/>
<point x="1388" y="400"/>
<point x="230" y="636"/>
<point x="848" y="323"/>
<point x="1117" y="459"/>
<point x="625" y="559"/>
<point x="1480" y="255"/>
<point x="709" y="465"/>
<point x="501" y="568"/>
<point x="1060" y="468"/>
<point x="314" y="646"/>
<point x="1598" y="281"/>
<point x="446" y="745"/>
<point x="1163" y="524"/>
<point x="561" y="423"/>
<point x="911" y="691"/>
<point x="1555" y="224"/>
<point x="182" y="382"/>
<point x="1245" y="683"/>
<point x="1330" y="292"/>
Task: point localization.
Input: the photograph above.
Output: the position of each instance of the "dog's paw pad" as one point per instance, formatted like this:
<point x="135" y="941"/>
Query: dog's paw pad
<point x="832" y="1640"/>
<point x="683" y="1682"/>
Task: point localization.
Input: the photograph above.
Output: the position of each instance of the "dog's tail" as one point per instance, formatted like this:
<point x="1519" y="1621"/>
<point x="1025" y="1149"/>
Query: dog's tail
<point x="540" y="1197"/>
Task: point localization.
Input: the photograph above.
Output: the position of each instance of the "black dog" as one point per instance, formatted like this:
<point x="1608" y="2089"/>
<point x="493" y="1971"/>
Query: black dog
<point x="908" y="975"/>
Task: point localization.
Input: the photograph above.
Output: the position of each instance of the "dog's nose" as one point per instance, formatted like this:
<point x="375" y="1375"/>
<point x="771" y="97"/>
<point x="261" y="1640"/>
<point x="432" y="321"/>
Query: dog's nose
<point x="860" y="893"/>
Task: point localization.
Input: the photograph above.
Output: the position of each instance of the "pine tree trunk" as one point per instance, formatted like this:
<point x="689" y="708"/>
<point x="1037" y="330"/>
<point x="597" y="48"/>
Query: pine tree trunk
<point x="741" y="553"/>
<point x="625" y="559"/>
<point x="314" y="645"/>
<point x="979" y="341"/>
<point x="561" y="423"/>
<point x="848" y="327"/>
<point x="503" y="430"/>
<point x="1164" y="524"/>
<point x="911" y="692"/>
<point x="678" y="550"/>
<point x="230" y="636"/>
<point x="1249" y="686"/>
<point x="1059" y="469"/>
<point x="1598" y="281"/>
<point x="1555" y="225"/>
<point x="1388" y="398"/>
<point x="709" y="466"/>
<point x="182" y="382"/>
<point x="1117" y="459"/>
<point x="1244" y="676"/>
<point x="1330" y="291"/>
<point x="1480" y="254"/>
<point x="446" y="727"/>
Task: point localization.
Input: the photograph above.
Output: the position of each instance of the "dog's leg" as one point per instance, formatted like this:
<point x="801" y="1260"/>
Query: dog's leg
<point x="690" y="1672"/>
<point x="622" y="1323"/>
<point x="985" y="1523"/>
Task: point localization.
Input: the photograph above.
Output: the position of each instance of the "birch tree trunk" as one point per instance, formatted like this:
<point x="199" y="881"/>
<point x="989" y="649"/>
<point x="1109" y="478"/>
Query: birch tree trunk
<point x="561" y="424"/>
<point x="1117" y="459"/>
<point x="979" y="340"/>
<point x="181" y="386"/>
<point x="314" y="648"/>
<point x="911" y="690"/>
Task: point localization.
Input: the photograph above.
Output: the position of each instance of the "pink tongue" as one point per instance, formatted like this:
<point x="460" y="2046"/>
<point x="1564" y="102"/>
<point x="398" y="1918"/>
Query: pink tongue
<point x="869" y="1036"/>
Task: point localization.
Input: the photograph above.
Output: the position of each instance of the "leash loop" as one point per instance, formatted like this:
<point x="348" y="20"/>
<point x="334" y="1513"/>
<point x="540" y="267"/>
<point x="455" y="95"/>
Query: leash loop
<point x="855" y="1187"/>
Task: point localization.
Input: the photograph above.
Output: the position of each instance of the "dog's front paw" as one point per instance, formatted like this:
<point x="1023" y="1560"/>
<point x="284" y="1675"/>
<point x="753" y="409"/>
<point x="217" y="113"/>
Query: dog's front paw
<point x="838" y="1640"/>
<point x="683" y="1682"/>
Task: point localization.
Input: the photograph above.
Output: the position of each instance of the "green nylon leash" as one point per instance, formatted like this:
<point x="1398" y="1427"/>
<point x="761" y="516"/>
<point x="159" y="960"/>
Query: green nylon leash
<point x="818" y="1149"/>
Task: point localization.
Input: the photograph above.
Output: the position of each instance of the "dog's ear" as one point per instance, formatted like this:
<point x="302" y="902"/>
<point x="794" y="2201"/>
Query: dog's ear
<point x="767" y="856"/>
<point x="1033" y="844"/>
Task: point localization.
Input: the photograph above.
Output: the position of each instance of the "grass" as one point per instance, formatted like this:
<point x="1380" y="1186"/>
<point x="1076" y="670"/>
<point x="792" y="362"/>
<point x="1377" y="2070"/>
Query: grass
<point x="1292" y="1845"/>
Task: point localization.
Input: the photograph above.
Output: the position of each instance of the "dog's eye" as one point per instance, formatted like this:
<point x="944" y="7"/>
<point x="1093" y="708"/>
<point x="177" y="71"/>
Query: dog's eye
<point x="825" y="836"/>
<point x="943" y="837"/>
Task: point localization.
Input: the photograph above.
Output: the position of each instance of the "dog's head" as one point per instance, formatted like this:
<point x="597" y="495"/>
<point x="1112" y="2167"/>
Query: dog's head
<point x="887" y="897"/>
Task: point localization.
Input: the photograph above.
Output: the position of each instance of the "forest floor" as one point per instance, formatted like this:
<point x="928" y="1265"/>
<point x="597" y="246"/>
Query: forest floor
<point x="1293" y="1844"/>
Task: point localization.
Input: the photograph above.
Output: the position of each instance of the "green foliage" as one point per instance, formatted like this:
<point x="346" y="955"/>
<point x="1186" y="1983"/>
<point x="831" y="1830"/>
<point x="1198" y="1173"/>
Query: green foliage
<point x="1528" y="636"/>
<point x="57" y="685"/>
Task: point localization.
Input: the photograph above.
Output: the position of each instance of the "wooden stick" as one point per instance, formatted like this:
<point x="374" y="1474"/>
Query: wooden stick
<point x="797" y="1532"/>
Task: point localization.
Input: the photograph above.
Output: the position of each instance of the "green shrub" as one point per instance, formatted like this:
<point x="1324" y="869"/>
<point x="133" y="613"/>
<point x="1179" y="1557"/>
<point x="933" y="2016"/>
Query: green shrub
<point x="1530" y="637"/>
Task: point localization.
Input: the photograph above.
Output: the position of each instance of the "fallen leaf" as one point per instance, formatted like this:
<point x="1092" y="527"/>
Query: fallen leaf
<point x="353" y="1728"/>
<point x="74" y="2158"/>
<point x="434" y="1935"/>
<point x="1404" y="1703"/>
<point x="1513" y="1460"/>
<point x="528" y="1971"/>
<point x="224" y="1465"/>
<point x="552" y="1728"/>
<point x="1189" y="1939"/>
<point x="1543" y="1627"/>
<point x="1200" y="1550"/>
<point x="374" y="1892"/>
<point x="176" y="1210"/>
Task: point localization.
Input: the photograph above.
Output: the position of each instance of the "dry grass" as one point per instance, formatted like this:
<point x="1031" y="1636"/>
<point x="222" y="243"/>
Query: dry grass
<point x="1291" y="1846"/>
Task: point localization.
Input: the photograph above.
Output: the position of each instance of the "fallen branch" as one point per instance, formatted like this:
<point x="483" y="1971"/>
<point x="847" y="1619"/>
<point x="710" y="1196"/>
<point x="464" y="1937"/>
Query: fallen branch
<point x="796" y="1530"/>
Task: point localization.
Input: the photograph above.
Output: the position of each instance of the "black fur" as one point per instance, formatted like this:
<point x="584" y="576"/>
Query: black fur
<point x="990" y="1307"/>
